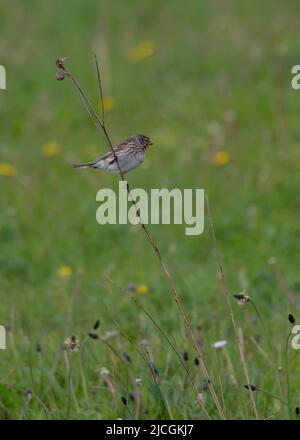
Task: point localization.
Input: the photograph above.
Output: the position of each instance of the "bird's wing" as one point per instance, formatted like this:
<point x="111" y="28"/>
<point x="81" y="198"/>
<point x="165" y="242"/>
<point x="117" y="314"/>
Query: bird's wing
<point x="108" y="157"/>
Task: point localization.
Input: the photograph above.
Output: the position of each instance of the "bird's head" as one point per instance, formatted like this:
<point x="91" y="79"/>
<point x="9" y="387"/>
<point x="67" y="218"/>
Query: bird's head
<point x="144" y="141"/>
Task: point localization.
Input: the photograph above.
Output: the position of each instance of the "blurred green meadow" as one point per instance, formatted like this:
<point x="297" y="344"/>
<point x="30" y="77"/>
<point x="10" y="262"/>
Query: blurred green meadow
<point x="210" y="83"/>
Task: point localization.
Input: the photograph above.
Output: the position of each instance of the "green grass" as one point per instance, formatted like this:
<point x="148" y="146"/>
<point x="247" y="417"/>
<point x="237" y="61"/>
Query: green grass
<point x="219" y="79"/>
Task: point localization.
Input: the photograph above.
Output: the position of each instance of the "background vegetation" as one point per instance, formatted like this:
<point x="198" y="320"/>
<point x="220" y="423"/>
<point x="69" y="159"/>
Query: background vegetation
<point x="209" y="82"/>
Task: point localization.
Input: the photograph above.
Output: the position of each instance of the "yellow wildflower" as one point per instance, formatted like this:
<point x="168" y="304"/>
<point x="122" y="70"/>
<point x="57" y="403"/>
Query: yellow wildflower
<point x="64" y="271"/>
<point x="142" y="289"/>
<point x="140" y="52"/>
<point x="221" y="158"/>
<point x="51" y="149"/>
<point x="108" y="103"/>
<point x="7" y="170"/>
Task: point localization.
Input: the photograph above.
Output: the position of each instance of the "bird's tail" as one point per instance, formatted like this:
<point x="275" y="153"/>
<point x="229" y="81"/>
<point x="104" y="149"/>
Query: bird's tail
<point x="84" y="165"/>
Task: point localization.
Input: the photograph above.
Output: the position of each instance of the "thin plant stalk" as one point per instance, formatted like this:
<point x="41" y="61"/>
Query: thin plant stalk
<point x="268" y="341"/>
<point x="226" y="294"/>
<point x="137" y="399"/>
<point x="71" y="393"/>
<point x="286" y="369"/>
<point x="82" y="373"/>
<point x="103" y="131"/>
<point x="188" y="374"/>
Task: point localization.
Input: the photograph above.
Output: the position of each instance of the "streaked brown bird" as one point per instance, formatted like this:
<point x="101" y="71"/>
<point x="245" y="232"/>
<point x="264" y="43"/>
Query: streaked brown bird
<point x="130" y="154"/>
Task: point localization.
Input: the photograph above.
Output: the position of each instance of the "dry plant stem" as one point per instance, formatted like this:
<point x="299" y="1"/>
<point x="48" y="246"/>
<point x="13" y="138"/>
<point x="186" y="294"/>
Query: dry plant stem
<point x="112" y="349"/>
<point x="71" y="393"/>
<point x="220" y="368"/>
<point x="153" y="375"/>
<point x="103" y="131"/>
<point x="156" y="381"/>
<point x="230" y="368"/>
<point x="138" y="401"/>
<point x="271" y="348"/>
<point x="226" y="294"/>
<point x="111" y="388"/>
<point x="222" y="393"/>
<point x="143" y="357"/>
<point x="286" y="368"/>
<point x="69" y="385"/>
<point x="188" y="374"/>
<point x="82" y="373"/>
<point x="100" y="90"/>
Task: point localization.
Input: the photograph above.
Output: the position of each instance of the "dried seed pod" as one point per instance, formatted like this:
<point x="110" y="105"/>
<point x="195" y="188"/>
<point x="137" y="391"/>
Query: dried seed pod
<point x="124" y="400"/>
<point x="291" y="319"/>
<point x="97" y="324"/>
<point x="60" y="63"/>
<point x="126" y="357"/>
<point x="93" y="335"/>
<point x="60" y="76"/>
<point x="242" y="297"/>
<point x="250" y="387"/>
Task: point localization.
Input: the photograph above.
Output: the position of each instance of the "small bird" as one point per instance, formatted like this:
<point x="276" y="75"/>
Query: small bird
<point x="130" y="154"/>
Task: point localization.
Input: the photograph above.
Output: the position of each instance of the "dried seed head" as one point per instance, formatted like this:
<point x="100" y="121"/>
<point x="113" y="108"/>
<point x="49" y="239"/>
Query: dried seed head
<point x="196" y="361"/>
<point x="291" y="318"/>
<point x="242" y="297"/>
<point x="154" y="369"/>
<point x="93" y="335"/>
<point x="97" y="324"/>
<point x="124" y="400"/>
<point x="72" y="343"/>
<point x="38" y="348"/>
<point x="60" y="63"/>
<point x="185" y="356"/>
<point x="297" y="410"/>
<point x="250" y="387"/>
<point x="126" y="357"/>
<point x="59" y="76"/>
